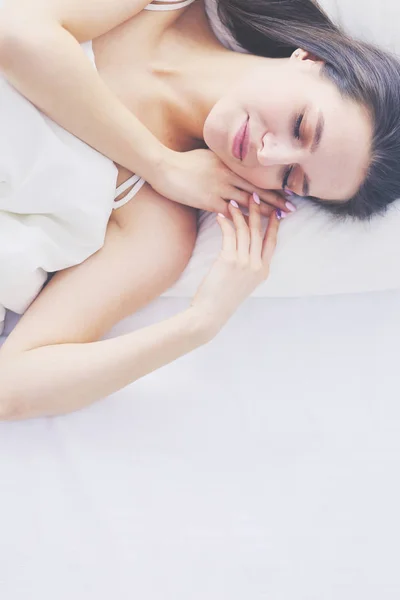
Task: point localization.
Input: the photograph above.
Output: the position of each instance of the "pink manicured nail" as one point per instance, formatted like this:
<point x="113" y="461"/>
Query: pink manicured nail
<point x="256" y="198"/>
<point x="221" y="215"/>
<point x="289" y="193"/>
<point x="290" y="206"/>
<point x="280" y="214"/>
<point x="235" y="204"/>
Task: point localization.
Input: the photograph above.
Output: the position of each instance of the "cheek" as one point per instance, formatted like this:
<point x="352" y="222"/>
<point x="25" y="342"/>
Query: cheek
<point x="208" y="133"/>
<point x="275" y="120"/>
<point x="210" y="128"/>
<point x="273" y="112"/>
<point x="266" y="178"/>
<point x="216" y="126"/>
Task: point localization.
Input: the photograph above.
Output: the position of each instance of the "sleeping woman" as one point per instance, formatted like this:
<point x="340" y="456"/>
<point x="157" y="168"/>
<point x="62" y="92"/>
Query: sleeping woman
<point x="194" y="104"/>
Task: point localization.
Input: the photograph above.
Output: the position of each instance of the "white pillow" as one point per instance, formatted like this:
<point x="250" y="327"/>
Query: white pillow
<point x="376" y="22"/>
<point x="317" y="254"/>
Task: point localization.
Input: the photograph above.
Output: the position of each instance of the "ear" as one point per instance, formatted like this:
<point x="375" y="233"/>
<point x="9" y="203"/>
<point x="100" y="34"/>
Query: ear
<point x="305" y="56"/>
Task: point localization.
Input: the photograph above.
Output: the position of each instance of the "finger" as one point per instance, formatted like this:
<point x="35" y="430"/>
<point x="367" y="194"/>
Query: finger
<point x="270" y="239"/>
<point x="242" y="198"/>
<point x="242" y="233"/>
<point x="256" y="236"/>
<point x="225" y="212"/>
<point x="266" y="209"/>
<point x="220" y="206"/>
<point x="271" y="197"/>
<point x="274" y="199"/>
<point x="228" y="236"/>
<point x="242" y="184"/>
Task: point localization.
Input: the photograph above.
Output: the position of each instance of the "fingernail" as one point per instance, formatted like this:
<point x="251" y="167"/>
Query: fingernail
<point x="290" y="206"/>
<point x="256" y="198"/>
<point x="235" y="204"/>
<point x="280" y="214"/>
<point x="289" y="193"/>
<point x="221" y="215"/>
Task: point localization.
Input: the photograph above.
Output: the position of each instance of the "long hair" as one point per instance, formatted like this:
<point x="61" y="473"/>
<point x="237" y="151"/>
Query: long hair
<point x="361" y="72"/>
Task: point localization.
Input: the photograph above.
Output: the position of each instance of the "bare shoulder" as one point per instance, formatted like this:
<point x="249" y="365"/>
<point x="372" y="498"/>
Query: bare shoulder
<point x="148" y="244"/>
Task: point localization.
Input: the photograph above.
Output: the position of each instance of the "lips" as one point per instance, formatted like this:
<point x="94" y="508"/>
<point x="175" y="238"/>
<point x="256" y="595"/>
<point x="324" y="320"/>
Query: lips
<point x="241" y="141"/>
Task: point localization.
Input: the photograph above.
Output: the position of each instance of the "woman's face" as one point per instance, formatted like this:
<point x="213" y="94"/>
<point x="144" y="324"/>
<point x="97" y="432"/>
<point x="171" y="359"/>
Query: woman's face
<point x="284" y="125"/>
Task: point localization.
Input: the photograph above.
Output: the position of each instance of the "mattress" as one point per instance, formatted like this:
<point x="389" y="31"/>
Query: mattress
<point x="264" y="465"/>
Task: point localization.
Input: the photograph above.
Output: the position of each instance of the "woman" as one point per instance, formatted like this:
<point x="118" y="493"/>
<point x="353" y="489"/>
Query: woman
<point x="59" y="192"/>
<point x="310" y="127"/>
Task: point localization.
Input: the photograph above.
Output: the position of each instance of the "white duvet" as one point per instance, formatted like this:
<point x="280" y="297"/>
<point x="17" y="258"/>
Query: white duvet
<point x="56" y="195"/>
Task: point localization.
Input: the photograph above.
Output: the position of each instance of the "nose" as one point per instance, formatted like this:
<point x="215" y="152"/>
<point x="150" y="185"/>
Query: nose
<point x="278" y="151"/>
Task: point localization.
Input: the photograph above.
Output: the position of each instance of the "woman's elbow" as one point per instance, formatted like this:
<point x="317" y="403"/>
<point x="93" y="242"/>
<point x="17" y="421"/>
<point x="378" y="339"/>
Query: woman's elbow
<point x="10" y="408"/>
<point x="12" y="37"/>
<point x="13" y="404"/>
<point x="20" y="38"/>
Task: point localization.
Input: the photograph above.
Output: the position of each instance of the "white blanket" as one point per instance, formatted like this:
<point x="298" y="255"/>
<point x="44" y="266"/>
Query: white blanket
<point x="56" y="196"/>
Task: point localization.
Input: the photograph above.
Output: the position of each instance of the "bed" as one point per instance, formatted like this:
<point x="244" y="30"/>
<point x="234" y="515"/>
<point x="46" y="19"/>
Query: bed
<point x="264" y="465"/>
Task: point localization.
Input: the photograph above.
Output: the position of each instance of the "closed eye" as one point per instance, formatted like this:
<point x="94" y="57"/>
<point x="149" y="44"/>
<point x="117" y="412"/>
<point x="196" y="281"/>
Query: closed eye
<point x="297" y="134"/>
<point x="286" y="176"/>
<point x="297" y="126"/>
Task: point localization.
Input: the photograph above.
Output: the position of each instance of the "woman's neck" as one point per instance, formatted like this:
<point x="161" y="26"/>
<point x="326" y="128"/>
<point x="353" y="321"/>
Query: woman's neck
<point x="196" y="69"/>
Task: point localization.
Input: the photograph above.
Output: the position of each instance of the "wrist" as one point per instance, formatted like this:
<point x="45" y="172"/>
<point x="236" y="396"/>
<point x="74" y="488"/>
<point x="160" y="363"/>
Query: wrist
<point x="159" y="161"/>
<point x="169" y="161"/>
<point x="204" y="323"/>
<point x="151" y="157"/>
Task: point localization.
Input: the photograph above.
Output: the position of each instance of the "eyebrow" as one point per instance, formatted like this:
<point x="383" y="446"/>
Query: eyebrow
<point x="319" y="130"/>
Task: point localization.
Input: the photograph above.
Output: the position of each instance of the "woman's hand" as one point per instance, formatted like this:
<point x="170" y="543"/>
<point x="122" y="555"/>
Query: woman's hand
<point x="243" y="264"/>
<point x="200" y="179"/>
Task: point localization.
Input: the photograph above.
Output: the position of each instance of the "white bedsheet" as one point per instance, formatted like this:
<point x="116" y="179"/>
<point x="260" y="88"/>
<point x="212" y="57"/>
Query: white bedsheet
<point x="264" y="466"/>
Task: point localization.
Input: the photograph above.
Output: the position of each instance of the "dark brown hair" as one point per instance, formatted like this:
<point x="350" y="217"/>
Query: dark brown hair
<point x="361" y="72"/>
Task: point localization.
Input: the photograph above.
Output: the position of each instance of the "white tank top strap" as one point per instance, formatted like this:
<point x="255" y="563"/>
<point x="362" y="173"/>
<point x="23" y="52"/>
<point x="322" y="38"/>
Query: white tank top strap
<point x="169" y="5"/>
<point x="136" y="183"/>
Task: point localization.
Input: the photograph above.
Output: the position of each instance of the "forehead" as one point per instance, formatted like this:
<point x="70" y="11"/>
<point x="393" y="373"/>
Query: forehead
<point x="338" y="168"/>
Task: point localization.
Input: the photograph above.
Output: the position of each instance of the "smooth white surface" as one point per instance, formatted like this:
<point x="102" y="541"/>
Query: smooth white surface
<point x="316" y="255"/>
<point x="376" y="22"/>
<point x="264" y="466"/>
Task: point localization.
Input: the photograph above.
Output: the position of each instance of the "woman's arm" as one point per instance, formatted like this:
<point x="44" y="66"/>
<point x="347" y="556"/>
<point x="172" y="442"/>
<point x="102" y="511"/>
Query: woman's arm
<point x="51" y="365"/>
<point x="66" y="377"/>
<point x="52" y="362"/>
<point x="84" y="20"/>
<point x="41" y="56"/>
